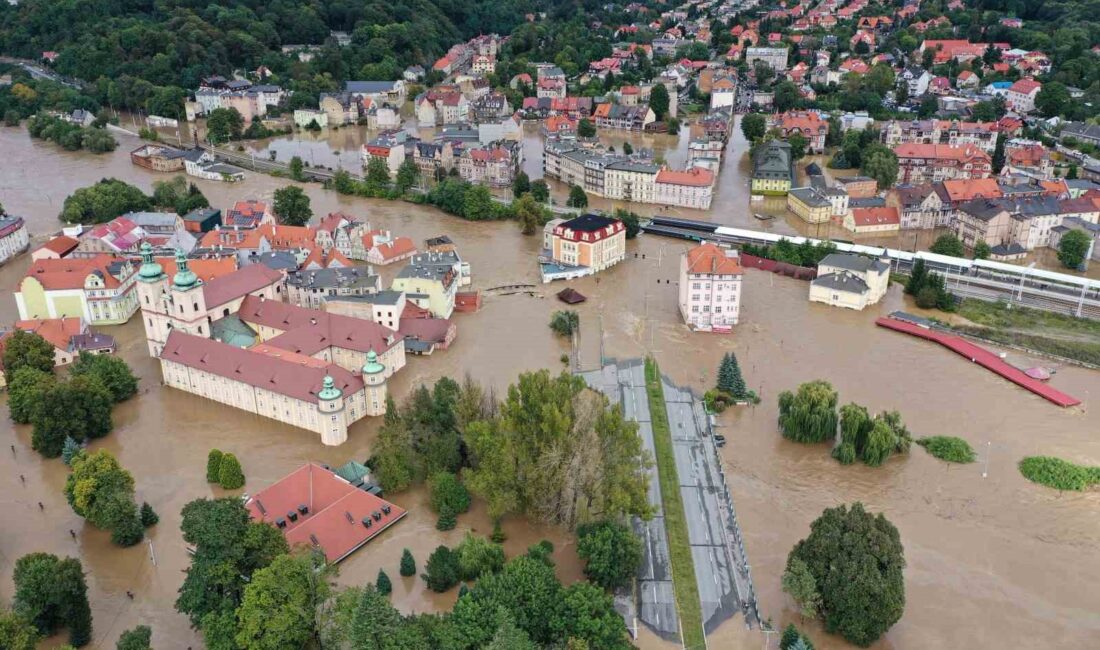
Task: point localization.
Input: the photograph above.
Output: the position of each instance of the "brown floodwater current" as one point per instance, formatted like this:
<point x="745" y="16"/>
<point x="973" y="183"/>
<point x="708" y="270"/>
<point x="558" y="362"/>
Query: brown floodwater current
<point x="992" y="562"/>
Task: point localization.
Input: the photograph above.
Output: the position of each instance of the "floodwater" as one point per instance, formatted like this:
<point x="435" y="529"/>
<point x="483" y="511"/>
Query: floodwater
<point x="991" y="562"/>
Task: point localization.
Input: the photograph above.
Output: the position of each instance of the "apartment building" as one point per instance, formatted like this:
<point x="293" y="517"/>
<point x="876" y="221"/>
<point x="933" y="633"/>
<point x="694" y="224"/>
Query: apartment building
<point x="710" y="288"/>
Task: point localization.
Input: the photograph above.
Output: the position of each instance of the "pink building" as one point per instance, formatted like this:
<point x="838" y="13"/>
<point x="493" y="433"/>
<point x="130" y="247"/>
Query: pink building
<point x="710" y="288"/>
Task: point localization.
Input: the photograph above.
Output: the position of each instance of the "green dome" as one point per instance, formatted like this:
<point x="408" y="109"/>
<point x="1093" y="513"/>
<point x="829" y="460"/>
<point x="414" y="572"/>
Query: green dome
<point x="329" y="391"/>
<point x="372" y="366"/>
<point x="185" y="278"/>
<point x="149" y="270"/>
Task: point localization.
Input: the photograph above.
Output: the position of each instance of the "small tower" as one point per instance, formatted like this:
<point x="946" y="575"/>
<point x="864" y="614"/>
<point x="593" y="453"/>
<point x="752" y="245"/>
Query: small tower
<point x="152" y="287"/>
<point x="334" y="421"/>
<point x="185" y="278"/>
<point x="188" y="304"/>
<point x="374" y="385"/>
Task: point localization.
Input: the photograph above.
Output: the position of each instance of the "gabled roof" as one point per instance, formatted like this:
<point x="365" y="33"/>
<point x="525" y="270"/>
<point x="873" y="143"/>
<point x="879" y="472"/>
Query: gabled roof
<point x="70" y="273"/>
<point x="238" y="284"/>
<point x="57" y="331"/>
<point x="308" y="331"/>
<point x="708" y="258"/>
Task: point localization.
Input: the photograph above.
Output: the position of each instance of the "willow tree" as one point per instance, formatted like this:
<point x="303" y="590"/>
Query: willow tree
<point x="810" y="414"/>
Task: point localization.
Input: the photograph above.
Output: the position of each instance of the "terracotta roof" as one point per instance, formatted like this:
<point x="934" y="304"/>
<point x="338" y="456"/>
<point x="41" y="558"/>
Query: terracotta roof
<point x="1025" y="86"/>
<point x="294" y="375"/>
<point x="940" y="151"/>
<point x="324" y="260"/>
<point x="70" y="273"/>
<point x="61" y="245"/>
<point x="695" y="177"/>
<point x="308" y="331"/>
<point x="58" y="331"/>
<point x="207" y="268"/>
<point x="967" y="189"/>
<point x="288" y="237"/>
<point x="233" y="238"/>
<point x="240" y="283"/>
<point x="875" y="216"/>
<point x="396" y="248"/>
<point x="709" y="258"/>
<point x="335" y="511"/>
<point x="804" y="121"/>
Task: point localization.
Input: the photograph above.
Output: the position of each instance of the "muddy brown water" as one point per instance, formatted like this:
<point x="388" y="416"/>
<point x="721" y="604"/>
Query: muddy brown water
<point x="991" y="562"/>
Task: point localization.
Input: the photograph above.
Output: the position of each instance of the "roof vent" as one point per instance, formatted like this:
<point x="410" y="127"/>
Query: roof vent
<point x="260" y="507"/>
<point x="291" y="515"/>
<point x="367" y="523"/>
<point x="303" y="509"/>
<point x="280" y="522"/>
<point x="386" y="509"/>
<point x="377" y="515"/>
<point x="347" y="515"/>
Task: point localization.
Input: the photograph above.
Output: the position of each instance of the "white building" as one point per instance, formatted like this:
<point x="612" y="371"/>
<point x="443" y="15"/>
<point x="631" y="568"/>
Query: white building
<point x="710" y="288"/>
<point x="851" y="281"/>
<point x="13" y="237"/>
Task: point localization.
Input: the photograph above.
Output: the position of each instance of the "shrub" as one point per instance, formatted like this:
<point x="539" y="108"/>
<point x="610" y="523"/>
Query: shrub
<point x="845" y="453"/>
<point x="1059" y="474"/>
<point x="138" y="638"/>
<point x="213" y="465"/>
<point x="408" y="564"/>
<point x="230" y="475"/>
<point x="564" y="323"/>
<point x="611" y="551"/>
<point x="442" y="570"/>
<point x="478" y="556"/>
<point x="449" y="498"/>
<point x="949" y="448"/>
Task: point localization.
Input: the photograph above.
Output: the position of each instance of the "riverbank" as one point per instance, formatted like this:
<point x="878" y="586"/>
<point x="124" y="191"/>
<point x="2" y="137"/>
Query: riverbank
<point x="1065" y="337"/>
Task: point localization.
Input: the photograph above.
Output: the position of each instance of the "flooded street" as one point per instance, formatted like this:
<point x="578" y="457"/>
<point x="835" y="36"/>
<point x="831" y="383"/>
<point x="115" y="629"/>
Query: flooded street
<point x="995" y="562"/>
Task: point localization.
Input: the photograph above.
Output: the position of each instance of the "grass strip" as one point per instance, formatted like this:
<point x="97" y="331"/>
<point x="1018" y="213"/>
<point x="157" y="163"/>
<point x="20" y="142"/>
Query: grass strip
<point x="1059" y="474"/>
<point x="684" y="585"/>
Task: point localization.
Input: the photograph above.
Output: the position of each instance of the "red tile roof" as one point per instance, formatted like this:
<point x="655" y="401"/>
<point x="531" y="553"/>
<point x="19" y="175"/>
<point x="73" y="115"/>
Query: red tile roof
<point x="709" y="258"/>
<point x="207" y="268"/>
<point x="975" y="188"/>
<point x="1025" y="86"/>
<point x="294" y="375"/>
<point x="58" y="331"/>
<point x="695" y="177"/>
<point x="70" y="273"/>
<point x="309" y="331"/>
<point x="336" y="511"/>
<point x="940" y="151"/>
<point x="398" y="247"/>
<point x="875" y="216"/>
<point x="238" y="284"/>
<point x="61" y="245"/>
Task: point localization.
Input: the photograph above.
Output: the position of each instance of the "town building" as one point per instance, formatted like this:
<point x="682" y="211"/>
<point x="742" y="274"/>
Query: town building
<point x="311" y="118"/>
<point x="99" y="289"/>
<point x="495" y="165"/>
<point x="807" y="124"/>
<point x="430" y="281"/>
<point x="919" y="206"/>
<point x="946" y="132"/>
<point x="1020" y="97"/>
<point x="312" y="288"/>
<point x="692" y="188"/>
<point x="591" y="242"/>
<point x="710" y="288"/>
<point x="810" y="204"/>
<point x="158" y="158"/>
<point x="70" y="337"/>
<point x="382" y="92"/>
<point x="55" y="248"/>
<point x="627" y="118"/>
<point x="316" y="508"/>
<point x="13" y="236"/>
<point x="773" y="57"/>
<point x="850" y="281"/>
<point x="773" y="171"/>
<point x="922" y="163"/>
<point x="873" y="220"/>
<point x="388" y="147"/>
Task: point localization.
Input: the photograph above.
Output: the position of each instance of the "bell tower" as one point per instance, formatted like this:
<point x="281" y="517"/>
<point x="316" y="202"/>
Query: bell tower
<point x="152" y="289"/>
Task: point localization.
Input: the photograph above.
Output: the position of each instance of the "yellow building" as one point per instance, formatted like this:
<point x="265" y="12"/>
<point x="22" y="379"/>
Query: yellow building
<point x="772" y="173"/>
<point x="99" y="289"/>
<point x="430" y="281"/>
<point x="809" y="204"/>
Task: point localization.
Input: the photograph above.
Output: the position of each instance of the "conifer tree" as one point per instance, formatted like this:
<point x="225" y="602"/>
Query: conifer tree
<point x="213" y="466"/>
<point x="408" y="564"/>
<point x="230" y="475"/>
<point x="383" y="584"/>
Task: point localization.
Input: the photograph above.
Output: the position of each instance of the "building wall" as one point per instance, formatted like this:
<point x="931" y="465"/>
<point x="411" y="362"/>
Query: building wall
<point x="809" y="213"/>
<point x="770" y="186"/>
<point x="709" y="301"/>
<point x="836" y="298"/>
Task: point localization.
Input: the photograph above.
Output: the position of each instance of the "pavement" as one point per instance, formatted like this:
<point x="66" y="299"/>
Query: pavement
<point x="721" y="570"/>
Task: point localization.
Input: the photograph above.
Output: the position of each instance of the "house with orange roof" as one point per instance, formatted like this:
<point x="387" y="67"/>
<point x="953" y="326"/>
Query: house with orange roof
<point x="691" y="188"/>
<point x="386" y="249"/>
<point x="1020" y="97"/>
<point x="710" y="294"/>
<point x="873" y="220"/>
<point x="245" y="242"/>
<point x="55" y="249"/>
<point x="920" y="163"/>
<point x="320" y="258"/>
<point x="807" y="124"/>
<point x="70" y="337"/>
<point x="248" y="214"/>
<point x="98" y="289"/>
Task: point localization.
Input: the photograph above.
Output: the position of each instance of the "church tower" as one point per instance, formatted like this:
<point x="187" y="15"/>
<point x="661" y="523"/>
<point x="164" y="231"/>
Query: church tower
<point x="152" y="289"/>
<point x="187" y="305"/>
<point x="334" y="419"/>
<point x="374" y="385"/>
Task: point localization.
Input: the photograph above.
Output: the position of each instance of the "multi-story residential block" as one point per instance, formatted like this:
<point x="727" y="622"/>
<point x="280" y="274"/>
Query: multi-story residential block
<point x="389" y="147"/>
<point x="807" y="124"/>
<point x="308" y="118"/>
<point x="723" y="92"/>
<point x="439" y="107"/>
<point x="430" y="281"/>
<point x="99" y="289"/>
<point x="922" y="163"/>
<point x="710" y="288"/>
<point x="918" y="206"/>
<point x="382" y="92"/>
<point x="1020" y="97"/>
<point x="311" y="289"/>
<point x="946" y="132"/>
<point x="774" y="57"/>
<point x="693" y="188"/>
<point x="628" y="118"/>
<point x="158" y="158"/>
<point x="916" y="80"/>
<point x="591" y="241"/>
<point x="810" y="204"/>
<point x="13" y="236"/>
<point x="850" y="281"/>
<point x="495" y="165"/>
<point x="772" y="171"/>
<point x="341" y="108"/>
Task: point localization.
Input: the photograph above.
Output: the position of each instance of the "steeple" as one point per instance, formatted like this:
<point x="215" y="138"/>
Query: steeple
<point x="184" y="279"/>
<point x="329" y="391"/>
<point x="150" y="271"/>
<point x="372" y="366"/>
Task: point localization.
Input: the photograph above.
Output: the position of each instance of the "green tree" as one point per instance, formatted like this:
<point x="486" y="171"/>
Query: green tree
<point x="223" y="125"/>
<point x="1053" y="99"/>
<point x="792" y="639"/>
<point x="213" y="465"/>
<point x="508" y="636"/>
<point x="881" y="164"/>
<point x="292" y="206"/>
<point x="585" y="128"/>
<point x="918" y="277"/>
<point x="98" y="140"/>
<point x="279" y="608"/>
<point x="800" y="584"/>
<point x="631" y="222"/>
<point x="928" y="107"/>
<point x="787" y="96"/>
<point x="230" y="476"/>
<point x="17" y="633"/>
<point x="1073" y="248"/>
<point x="26" y="350"/>
<point x="383" y="584"/>
<point x="374" y="621"/>
<point x="855" y="427"/>
<point x="729" y="377"/>
<point x="798" y="146"/>
<point x="478" y="556"/>
<point x="540" y="190"/>
<point x="999" y="154"/>
<point x="565" y="322"/>
<point x="948" y="245"/>
<point x="477" y="203"/>
<point x="50" y="592"/>
<point x="378" y="173"/>
<point x="449" y="497"/>
<point x="528" y="213"/>
<point x="611" y="551"/>
<point x="102" y="202"/>
<point x="395" y="463"/>
<point x="587" y="614"/>
<point x="70" y="450"/>
<point x="981" y="251"/>
<point x="810" y="414"/>
<point x="856" y="560"/>
<point x="79" y="409"/>
<point x="343" y="183"/>
<point x="296" y="168"/>
<point x="408" y="564"/>
<point x="577" y="197"/>
<point x="880" y="79"/>
<point x="139" y="638"/>
<point x="753" y="126"/>
<point x="26" y="390"/>
<point x="102" y="492"/>
<point x="521" y="184"/>
<point x="149" y="517"/>
<point x="408" y="175"/>
<point x="109" y="370"/>
<point x="442" y="570"/>
<point x="659" y="101"/>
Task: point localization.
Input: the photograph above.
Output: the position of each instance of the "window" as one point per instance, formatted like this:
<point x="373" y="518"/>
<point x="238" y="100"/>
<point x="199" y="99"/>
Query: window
<point x="695" y="309"/>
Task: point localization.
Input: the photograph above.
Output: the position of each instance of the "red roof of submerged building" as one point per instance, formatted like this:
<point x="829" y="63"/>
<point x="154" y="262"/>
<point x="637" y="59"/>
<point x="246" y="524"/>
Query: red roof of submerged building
<point x="320" y="509"/>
